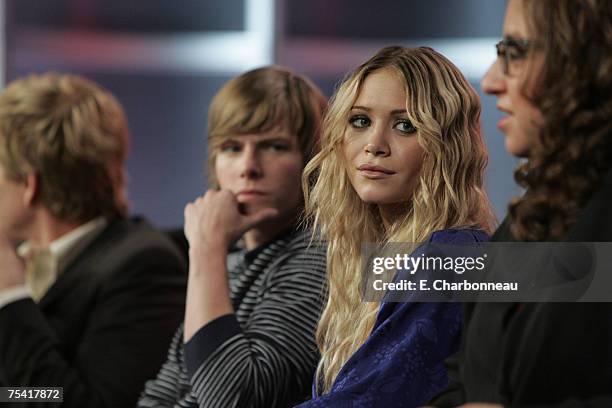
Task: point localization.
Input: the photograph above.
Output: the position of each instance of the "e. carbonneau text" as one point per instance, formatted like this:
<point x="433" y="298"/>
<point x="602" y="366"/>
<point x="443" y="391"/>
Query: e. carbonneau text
<point x="443" y="285"/>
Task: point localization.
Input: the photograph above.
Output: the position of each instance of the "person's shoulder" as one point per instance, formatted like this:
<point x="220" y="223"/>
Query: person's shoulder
<point x="303" y="240"/>
<point x="304" y="252"/>
<point x="135" y="237"/>
<point x="458" y="236"/>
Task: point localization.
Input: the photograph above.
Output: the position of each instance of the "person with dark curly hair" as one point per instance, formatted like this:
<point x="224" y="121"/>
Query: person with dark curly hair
<point x="553" y="80"/>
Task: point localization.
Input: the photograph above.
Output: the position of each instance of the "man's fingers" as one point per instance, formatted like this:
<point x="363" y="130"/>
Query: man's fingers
<point x="189" y="213"/>
<point x="188" y="209"/>
<point x="220" y="213"/>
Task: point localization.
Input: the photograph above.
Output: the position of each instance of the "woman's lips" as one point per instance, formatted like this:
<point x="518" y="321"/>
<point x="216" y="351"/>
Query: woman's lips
<point x="374" y="172"/>
<point x="503" y="122"/>
<point x="501" y="125"/>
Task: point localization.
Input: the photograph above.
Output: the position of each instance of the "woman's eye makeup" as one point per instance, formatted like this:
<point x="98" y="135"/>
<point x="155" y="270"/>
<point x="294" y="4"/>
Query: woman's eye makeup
<point x="359" y="121"/>
<point x="363" y="121"/>
<point x="404" y="126"/>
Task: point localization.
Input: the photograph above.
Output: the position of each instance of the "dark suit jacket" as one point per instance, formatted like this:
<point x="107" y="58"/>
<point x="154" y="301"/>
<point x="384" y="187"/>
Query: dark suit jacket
<point x="104" y="327"/>
<point x="539" y="354"/>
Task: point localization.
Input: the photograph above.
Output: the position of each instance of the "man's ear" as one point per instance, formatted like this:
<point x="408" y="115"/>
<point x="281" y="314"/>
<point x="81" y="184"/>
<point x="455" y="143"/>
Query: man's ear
<point x="32" y="188"/>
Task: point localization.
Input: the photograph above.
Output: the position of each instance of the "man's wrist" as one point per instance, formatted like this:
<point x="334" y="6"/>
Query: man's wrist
<point x="207" y="251"/>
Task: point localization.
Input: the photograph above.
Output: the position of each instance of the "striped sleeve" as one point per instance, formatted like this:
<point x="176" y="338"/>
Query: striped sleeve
<point x="270" y="359"/>
<point x="162" y="392"/>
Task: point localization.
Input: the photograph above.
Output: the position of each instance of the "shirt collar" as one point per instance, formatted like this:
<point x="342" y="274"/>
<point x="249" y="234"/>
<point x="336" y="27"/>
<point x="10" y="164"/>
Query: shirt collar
<point x="67" y="247"/>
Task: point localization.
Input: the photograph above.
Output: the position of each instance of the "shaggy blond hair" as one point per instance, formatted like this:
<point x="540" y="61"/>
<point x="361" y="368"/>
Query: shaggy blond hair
<point x="445" y="110"/>
<point x="73" y="136"/>
<point x="260" y="100"/>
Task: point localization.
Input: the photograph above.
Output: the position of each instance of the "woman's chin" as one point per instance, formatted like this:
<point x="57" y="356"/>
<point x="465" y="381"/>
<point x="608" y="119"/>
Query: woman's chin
<point x="517" y="146"/>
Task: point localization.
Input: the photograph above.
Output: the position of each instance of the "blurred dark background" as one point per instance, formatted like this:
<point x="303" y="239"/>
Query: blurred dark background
<point x="165" y="60"/>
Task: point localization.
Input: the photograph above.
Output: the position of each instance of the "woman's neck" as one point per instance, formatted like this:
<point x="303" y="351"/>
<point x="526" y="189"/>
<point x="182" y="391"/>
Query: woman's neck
<point x="392" y="213"/>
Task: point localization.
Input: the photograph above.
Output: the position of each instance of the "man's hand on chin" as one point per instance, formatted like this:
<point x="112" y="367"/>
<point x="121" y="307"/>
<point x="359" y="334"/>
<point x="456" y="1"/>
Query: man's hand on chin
<point x="11" y="265"/>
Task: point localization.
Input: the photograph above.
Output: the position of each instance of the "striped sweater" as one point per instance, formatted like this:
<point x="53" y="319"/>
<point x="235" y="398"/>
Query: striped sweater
<point x="264" y="354"/>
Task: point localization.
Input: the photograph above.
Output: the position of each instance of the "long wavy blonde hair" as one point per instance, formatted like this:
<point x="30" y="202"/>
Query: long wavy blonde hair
<point x="445" y="110"/>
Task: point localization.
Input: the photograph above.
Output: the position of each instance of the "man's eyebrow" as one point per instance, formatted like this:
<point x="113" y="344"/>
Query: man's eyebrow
<point x="228" y="140"/>
<point x="274" y="139"/>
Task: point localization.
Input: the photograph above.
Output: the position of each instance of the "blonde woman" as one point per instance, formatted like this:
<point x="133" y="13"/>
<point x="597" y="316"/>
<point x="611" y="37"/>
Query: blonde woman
<point x="402" y="159"/>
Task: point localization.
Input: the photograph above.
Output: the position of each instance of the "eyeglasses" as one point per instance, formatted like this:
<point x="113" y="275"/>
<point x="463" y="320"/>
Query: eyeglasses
<point x="513" y="53"/>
